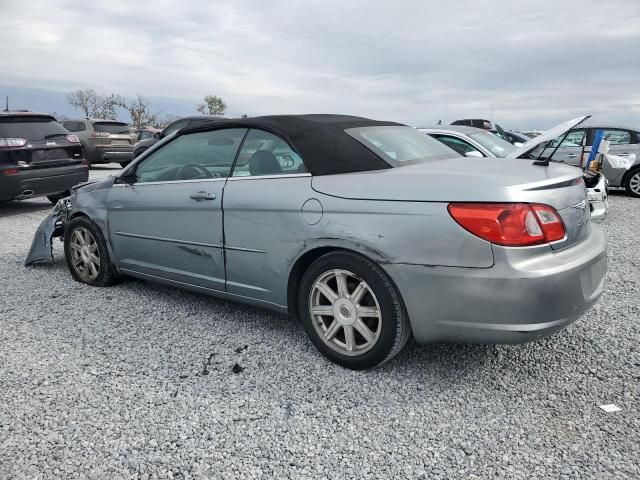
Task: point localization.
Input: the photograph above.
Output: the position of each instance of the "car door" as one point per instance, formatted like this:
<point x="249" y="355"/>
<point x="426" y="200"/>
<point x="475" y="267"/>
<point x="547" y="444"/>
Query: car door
<point x="263" y="220"/>
<point x="165" y="217"/>
<point x="623" y="143"/>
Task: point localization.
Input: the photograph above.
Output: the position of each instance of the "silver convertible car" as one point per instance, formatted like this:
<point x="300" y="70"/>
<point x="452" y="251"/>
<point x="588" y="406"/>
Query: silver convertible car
<point x="367" y="231"/>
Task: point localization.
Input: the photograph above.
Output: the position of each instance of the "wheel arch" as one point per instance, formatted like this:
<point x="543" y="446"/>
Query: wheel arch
<point x="307" y="257"/>
<point x="634" y="168"/>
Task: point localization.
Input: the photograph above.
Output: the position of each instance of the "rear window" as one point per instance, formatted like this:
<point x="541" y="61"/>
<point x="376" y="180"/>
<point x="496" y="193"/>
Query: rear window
<point x="111" y="127"/>
<point x="400" y="145"/>
<point x="74" y="126"/>
<point x="30" y="127"/>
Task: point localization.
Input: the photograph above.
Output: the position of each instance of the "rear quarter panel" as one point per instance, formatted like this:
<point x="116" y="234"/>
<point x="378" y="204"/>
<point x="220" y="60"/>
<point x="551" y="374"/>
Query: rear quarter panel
<point x="267" y="230"/>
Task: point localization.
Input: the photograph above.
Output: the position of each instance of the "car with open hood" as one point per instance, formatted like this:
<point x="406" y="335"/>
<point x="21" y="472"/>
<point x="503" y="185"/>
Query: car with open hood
<point x="475" y="142"/>
<point x="621" y="165"/>
<point x="367" y="231"/>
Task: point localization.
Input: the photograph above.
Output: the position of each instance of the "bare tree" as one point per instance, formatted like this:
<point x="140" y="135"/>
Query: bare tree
<point x="60" y="117"/>
<point x="140" y="111"/>
<point x="93" y="105"/>
<point x="212" y="105"/>
<point x="165" y="119"/>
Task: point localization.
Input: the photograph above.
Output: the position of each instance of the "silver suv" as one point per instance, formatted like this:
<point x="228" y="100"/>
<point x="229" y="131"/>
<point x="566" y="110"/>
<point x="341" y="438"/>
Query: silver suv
<point x="103" y="141"/>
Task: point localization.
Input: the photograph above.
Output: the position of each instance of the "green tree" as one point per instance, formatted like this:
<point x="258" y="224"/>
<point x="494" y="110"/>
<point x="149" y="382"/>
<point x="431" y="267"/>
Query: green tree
<point x="212" y="105"/>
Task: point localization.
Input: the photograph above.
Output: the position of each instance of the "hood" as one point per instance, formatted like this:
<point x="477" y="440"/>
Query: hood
<point x="459" y="179"/>
<point x="547" y="136"/>
<point x="95" y="184"/>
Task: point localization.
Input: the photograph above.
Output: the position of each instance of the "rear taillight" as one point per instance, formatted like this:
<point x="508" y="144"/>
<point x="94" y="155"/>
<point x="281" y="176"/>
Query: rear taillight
<point x="99" y="134"/>
<point x="10" y="171"/>
<point x="73" y="139"/>
<point x="12" y="142"/>
<point x="510" y="224"/>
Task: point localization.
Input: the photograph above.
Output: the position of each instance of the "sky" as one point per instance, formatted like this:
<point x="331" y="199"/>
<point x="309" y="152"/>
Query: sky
<point x="524" y="64"/>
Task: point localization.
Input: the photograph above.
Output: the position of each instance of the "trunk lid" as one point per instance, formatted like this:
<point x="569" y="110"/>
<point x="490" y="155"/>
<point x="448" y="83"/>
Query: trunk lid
<point x="116" y="134"/>
<point x="464" y="179"/>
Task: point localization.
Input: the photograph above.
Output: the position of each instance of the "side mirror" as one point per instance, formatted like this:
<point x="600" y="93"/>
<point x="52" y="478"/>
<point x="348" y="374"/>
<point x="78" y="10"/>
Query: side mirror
<point x="157" y="135"/>
<point x="129" y="178"/>
<point x="474" y="154"/>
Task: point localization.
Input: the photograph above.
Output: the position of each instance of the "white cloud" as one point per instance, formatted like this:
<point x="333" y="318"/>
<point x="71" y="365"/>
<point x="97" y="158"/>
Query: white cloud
<point x="537" y="63"/>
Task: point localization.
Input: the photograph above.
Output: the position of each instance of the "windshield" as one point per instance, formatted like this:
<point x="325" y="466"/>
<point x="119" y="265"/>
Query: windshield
<point x="30" y="127"/>
<point x="496" y="145"/>
<point x="398" y="145"/>
<point x="111" y="127"/>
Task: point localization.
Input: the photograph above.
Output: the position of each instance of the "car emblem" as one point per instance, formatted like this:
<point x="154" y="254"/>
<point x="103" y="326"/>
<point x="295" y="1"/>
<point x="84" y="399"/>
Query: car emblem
<point x="48" y="144"/>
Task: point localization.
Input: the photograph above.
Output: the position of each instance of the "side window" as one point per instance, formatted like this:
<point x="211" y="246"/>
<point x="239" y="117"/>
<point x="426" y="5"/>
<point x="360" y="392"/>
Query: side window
<point x="177" y="125"/>
<point x="457" y="144"/>
<point x="574" y="139"/>
<point x="73" y="126"/>
<point x="617" y="137"/>
<point x="196" y="156"/>
<point x="266" y="154"/>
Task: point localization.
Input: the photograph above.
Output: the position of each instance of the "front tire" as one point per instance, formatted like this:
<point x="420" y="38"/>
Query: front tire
<point x="632" y="183"/>
<point x="86" y="253"/>
<point x="351" y="311"/>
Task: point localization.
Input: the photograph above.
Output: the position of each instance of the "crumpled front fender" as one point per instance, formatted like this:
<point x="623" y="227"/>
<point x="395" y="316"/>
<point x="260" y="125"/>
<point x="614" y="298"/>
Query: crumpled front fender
<point x="52" y="226"/>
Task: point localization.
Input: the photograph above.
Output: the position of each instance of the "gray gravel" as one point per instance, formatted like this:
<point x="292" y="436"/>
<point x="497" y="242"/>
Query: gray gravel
<point x="137" y="381"/>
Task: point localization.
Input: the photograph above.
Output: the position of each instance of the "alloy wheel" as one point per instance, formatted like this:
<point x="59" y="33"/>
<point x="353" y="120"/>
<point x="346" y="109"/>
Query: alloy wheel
<point x="85" y="256"/>
<point x="634" y="183"/>
<point x="345" y="312"/>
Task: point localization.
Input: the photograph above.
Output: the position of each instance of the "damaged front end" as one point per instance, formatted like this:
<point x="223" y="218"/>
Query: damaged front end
<point x="52" y="226"/>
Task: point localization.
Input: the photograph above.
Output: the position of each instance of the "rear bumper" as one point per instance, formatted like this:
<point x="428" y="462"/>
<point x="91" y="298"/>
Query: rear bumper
<point x="598" y="200"/>
<point x="41" y="182"/>
<point x="527" y="294"/>
<point x="108" y="154"/>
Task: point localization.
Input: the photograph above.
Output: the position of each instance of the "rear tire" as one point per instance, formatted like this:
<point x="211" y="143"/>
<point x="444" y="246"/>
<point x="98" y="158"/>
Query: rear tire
<point x="358" y="319"/>
<point x="86" y="254"/>
<point x="632" y="183"/>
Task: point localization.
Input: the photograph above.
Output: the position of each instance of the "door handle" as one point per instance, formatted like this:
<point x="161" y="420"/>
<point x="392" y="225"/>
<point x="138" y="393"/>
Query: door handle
<point x="572" y="155"/>
<point x="200" y="196"/>
<point x="625" y="154"/>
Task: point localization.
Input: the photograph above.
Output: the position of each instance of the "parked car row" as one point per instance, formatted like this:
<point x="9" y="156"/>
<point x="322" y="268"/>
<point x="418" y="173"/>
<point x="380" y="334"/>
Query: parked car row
<point x="368" y="231"/>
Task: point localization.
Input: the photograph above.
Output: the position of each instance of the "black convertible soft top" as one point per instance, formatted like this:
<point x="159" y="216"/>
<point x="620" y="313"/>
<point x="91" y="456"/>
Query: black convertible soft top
<point x="319" y="139"/>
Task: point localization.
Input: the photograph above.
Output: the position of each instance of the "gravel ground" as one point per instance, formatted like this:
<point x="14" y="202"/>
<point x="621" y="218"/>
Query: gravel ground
<point x="143" y="381"/>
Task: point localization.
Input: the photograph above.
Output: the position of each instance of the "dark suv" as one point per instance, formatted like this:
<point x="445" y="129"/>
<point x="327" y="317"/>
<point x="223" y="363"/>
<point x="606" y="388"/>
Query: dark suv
<point x="103" y="141"/>
<point x="38" y="157"/>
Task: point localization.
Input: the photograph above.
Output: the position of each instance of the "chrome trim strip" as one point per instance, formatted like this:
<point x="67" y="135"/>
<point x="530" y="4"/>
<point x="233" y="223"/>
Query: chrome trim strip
<point x="241" y="249"/>
<point x="171" y="182"/>
<point x="264" y="177"/>
<point x="170" y="240"/>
